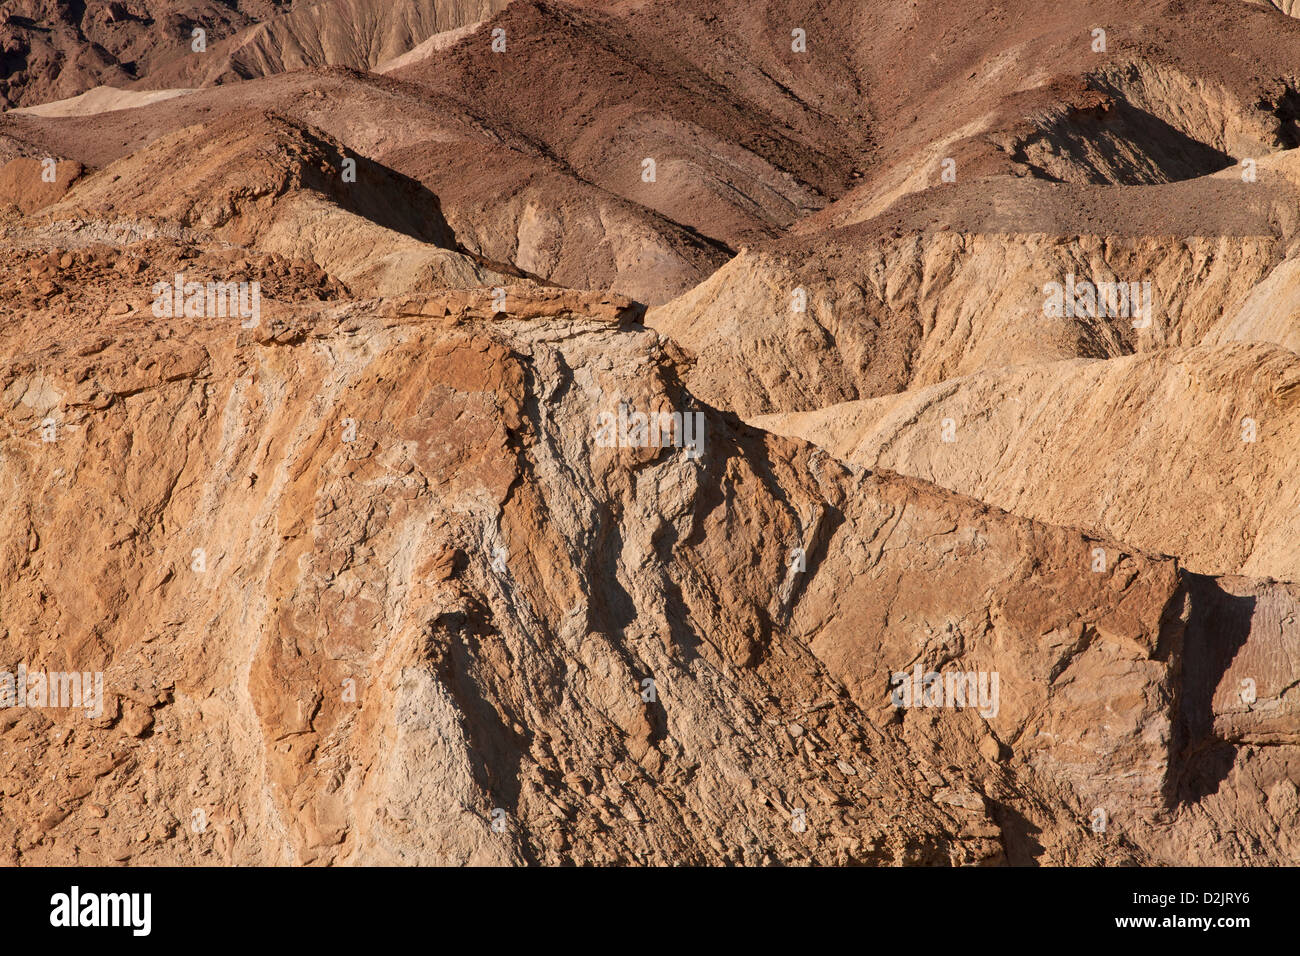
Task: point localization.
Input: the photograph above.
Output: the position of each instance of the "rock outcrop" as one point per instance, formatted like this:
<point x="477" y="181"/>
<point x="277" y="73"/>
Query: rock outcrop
<point x="460" y="432"/>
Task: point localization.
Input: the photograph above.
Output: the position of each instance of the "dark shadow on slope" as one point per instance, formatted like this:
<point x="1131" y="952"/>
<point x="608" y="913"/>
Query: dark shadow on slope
<point x="1161" y="153"/>
<point x="454" y="645"/>
<point x="1287" y="109"/>
<point x="382" y="195"/>
<point x="1217" y="629"/>
<point x="1019" y="835"/>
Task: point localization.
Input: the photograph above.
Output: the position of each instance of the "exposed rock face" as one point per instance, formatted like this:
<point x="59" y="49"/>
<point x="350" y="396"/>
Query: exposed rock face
<point x="1066" y="442"/>
<point x="400" y="502"/>
<point x="58" y="50"/>
<point x="497" y="632"/>
<point x="950" y="285"/>
<point x="55" y="51"/>
<point x="257" y="180"/>
<point x="410" y="474"/>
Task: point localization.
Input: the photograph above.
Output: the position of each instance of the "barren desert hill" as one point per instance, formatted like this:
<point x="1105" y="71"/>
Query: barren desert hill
<point x="502" y="656"/>
<point x="324" y="387"/>
<point x="1065" y="442"/>
<point x="751" y="160"/>
<point x="59" y="50"/>
<point x="507" y="199"/>
<point x="258" y="180"/>
<point x="362" y="34"/>
<point x="955" y="279"/>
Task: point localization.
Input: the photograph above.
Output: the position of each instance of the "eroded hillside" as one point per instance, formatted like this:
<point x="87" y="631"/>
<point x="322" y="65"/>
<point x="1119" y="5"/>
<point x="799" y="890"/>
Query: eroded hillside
<point x="659" y="433"/>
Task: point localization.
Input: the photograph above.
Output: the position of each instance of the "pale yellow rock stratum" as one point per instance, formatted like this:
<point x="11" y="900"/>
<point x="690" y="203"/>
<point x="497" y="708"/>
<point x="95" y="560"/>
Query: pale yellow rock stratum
<point x="1187" y="452"/>
<point x="102" y="99"/>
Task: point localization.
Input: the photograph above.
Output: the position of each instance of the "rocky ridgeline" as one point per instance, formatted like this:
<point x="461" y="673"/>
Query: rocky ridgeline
<point x="765" y="453"/>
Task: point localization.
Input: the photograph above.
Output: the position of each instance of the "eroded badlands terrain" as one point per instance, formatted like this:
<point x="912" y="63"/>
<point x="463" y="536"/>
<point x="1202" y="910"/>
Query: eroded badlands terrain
<point x="665" y="432"/>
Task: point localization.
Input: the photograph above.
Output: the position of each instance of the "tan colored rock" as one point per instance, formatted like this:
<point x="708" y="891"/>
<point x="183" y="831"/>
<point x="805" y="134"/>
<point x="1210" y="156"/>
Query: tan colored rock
<point x="1076" y="443"/>
<point x="320" y="570"/>
<point x="857" y="553"/>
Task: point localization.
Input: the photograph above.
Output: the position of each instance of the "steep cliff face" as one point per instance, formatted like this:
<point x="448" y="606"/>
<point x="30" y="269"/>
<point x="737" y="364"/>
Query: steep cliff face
<point x="365" y="580"/>
<point x="429" y="597"/>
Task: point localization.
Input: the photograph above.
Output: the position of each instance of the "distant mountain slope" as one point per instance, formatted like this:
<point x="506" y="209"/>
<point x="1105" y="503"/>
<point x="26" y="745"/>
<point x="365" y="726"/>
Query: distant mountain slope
<point x="56" y="50"/>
